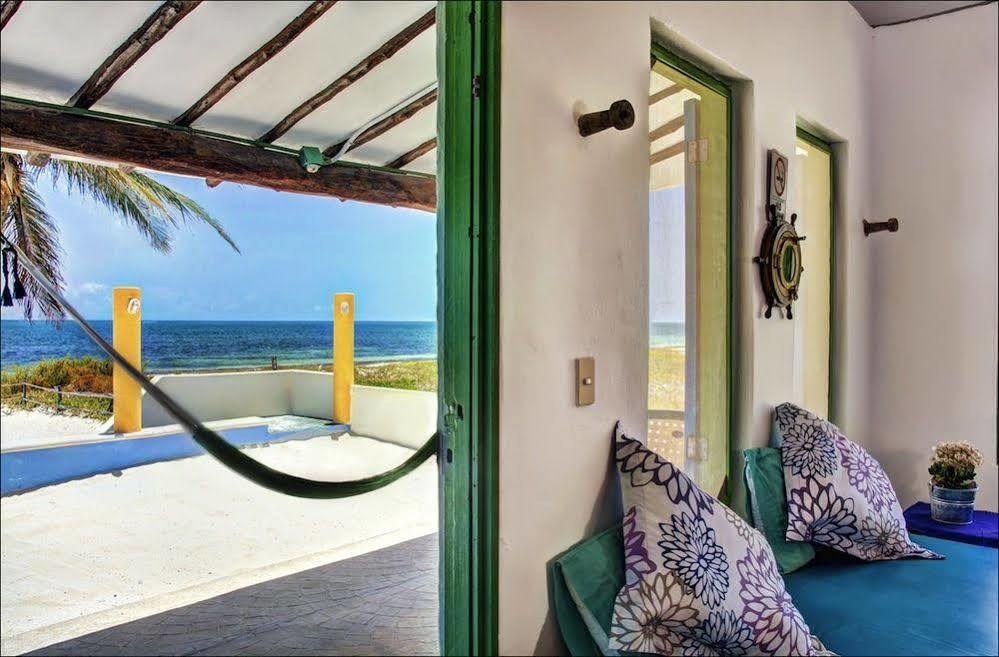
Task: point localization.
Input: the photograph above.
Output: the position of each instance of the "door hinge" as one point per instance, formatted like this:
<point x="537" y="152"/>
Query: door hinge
<point x="476" y="85"/>
<point x="697" y="150"/>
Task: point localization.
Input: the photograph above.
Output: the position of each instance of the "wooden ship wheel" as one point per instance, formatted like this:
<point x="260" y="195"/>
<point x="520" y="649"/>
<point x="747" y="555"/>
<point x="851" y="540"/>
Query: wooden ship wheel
<point x="780" y="262"/>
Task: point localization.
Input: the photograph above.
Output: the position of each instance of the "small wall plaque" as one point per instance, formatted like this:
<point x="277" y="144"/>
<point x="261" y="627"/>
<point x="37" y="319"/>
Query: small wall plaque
<point x="585" y="381"/>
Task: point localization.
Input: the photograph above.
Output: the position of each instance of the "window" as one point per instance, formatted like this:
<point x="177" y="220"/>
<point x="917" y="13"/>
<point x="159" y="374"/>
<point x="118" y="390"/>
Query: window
<point x="689" y="270"/>
<point x="812" y="196"/>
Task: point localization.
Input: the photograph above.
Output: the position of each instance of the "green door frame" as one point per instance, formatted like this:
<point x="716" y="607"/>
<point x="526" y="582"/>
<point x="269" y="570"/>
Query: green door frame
<point x="812" y="139"/>
<point x="467" y="309"/>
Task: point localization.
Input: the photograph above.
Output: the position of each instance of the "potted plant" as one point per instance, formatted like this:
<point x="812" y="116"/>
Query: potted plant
<point x="952" y="482"/>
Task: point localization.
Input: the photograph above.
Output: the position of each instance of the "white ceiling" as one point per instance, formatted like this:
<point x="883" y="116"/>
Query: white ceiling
<point x="888" y="12"/>
<point x="50" y="48"/>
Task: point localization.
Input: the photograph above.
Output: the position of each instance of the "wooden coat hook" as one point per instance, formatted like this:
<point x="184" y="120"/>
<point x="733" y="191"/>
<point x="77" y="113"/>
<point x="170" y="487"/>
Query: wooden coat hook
<point x="877" y="226"/>
<point x="620" y="115"/>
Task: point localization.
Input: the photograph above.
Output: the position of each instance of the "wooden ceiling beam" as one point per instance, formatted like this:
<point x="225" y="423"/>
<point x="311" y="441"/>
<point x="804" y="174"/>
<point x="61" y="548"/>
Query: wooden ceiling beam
<point x="668" y="152"/>
<point x="667" y="128"/>
<point x="161" y="21"/>
<point x="174" y="150"/>
<point x="257" y="59"/>
<point x="404" y="159"/>
<point x="7" y="11"/>
<point x="366" y="65"/>
<point x="664" y="94"/>
<point x="386" y="124"/>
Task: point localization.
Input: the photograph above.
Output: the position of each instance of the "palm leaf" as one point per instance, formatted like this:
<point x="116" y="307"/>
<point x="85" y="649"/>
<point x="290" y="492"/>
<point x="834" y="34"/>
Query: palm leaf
<point x="150" y="206"/>
<point x="26" y="223"/>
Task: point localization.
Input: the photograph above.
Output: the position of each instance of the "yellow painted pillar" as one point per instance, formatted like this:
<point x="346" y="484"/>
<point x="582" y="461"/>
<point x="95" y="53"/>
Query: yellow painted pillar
<point x="343" y="354"/>
<point x="127" y="338"/>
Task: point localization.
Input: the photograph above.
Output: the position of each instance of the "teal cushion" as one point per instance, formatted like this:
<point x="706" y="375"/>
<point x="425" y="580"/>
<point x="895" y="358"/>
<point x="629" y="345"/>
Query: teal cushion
<point x="907" y="607"/>
<point x="767" y="503"/>
<point x="584" y="583"/>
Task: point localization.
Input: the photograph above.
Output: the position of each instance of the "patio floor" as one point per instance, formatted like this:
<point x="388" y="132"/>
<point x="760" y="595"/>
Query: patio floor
<point x="379" y="603"/>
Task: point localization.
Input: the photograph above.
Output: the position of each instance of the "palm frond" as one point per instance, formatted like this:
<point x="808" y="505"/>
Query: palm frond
<point x="150" y="206"/>
<point x="26" y="223"/>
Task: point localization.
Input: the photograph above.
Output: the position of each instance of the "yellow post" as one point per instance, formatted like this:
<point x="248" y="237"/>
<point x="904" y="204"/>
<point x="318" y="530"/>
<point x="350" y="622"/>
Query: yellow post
<point x="343" y="354"/>
<point x="127" y="332"/>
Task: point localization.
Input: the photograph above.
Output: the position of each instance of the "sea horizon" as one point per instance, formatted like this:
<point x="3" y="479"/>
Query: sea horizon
<point x="185" y="345"/>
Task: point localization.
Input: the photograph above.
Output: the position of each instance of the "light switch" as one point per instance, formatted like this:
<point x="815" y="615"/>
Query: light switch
<point x="585" y="381"/>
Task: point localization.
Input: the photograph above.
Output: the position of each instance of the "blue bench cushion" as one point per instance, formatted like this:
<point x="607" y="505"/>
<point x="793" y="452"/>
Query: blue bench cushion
<point x="910" y="607"/>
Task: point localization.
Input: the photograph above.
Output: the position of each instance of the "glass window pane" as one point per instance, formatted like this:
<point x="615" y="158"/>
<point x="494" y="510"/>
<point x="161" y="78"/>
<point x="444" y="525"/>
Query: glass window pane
<point x="688" y="275"/>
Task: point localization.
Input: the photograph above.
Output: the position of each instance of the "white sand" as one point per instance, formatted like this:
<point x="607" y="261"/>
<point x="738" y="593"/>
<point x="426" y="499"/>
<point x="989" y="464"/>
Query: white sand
<point x="20" y="428"/>
<point x="90" y="554"/>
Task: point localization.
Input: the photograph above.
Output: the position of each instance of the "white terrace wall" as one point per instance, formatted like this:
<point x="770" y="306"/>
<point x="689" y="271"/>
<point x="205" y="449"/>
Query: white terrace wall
<point x="573" y="272"/>
<point x="934" y="282"/>
<point x="404" y="417"/>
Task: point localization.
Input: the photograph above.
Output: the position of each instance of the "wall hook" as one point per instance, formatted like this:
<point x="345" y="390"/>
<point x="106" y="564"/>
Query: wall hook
<point x="877" y="226"/>
<point x="620" y="115"/>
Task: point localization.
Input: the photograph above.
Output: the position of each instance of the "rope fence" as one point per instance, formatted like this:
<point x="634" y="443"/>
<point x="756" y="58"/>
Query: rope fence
<point x="58" y="395"/>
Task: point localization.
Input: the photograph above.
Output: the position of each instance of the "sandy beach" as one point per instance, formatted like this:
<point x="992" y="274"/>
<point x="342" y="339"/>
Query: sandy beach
<point x="21" y="428"/>
<point x="89" y="554"/>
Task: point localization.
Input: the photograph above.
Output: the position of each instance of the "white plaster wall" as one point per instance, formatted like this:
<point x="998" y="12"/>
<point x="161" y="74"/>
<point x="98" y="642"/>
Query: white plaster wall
<point x="221" y="396"/>
<point x="934" y="282"/>
<point x="574" y="246"/>
<point x="404" y="417"/>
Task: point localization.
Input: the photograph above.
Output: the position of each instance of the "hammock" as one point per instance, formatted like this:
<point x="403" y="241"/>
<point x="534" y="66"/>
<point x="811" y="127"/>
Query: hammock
<point x="214" y="444"/>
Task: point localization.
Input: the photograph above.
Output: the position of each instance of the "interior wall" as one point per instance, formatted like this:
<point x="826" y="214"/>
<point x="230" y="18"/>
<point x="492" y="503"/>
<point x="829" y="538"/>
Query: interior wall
<point x="574" y="225"/>
<point x="934" y="282"/>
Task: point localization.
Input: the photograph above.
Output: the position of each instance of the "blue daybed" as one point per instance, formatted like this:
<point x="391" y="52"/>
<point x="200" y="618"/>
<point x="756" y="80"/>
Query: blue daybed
<point x="910" y="607"/>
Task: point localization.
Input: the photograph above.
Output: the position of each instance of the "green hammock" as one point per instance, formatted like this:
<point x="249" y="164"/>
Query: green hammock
<point x="214" y="444"/>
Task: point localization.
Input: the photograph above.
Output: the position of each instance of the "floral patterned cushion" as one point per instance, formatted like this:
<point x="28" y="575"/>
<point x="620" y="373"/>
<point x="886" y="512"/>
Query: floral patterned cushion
<point x="698" y="579"/>
<point x="837" y="494"/>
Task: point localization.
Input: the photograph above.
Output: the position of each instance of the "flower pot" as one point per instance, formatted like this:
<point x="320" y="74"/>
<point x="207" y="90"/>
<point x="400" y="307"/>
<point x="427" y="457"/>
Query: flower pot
<point x="954" y="506"/>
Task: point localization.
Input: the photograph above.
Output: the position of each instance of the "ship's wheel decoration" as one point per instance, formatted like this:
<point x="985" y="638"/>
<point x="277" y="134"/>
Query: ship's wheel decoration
<point x="780" y="252"/>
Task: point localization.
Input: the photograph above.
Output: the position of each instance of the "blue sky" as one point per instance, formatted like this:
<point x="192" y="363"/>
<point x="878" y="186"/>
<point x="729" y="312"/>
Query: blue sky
<point x="296" y="252"/>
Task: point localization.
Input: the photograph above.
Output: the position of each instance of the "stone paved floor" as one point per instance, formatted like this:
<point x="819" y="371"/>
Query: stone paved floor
<point x="379" y="603"/>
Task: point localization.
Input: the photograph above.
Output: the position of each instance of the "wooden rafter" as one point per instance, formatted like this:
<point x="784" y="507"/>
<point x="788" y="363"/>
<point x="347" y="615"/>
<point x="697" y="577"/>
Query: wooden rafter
<point x="387" y="123"/>
<point x="667" y="128"/>
<point x="257" y="59"/>
<point x="406" y="158"/>
<point x="668" y="152"/>
<point x="7" y="11"/>
<point x="389" y="48"/>
<point x="664" y="94"/>
<point x="161" y="21"/>
<point x="174" y="150"/>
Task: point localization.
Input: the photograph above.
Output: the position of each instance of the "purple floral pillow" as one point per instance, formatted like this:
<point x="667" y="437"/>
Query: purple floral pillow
<point x="698" y="579"/>
<point x="837" y="494"/>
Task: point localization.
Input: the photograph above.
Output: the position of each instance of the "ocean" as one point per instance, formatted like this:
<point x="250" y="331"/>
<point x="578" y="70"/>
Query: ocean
<point x="187" y="345"/>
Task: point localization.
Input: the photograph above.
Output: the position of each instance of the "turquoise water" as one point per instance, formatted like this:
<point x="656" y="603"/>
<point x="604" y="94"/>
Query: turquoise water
<point x="666" y="334"/>
<point x="182" y="345"/>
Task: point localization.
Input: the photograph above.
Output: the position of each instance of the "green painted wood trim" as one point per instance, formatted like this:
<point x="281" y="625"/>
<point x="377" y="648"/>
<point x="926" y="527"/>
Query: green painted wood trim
<point x="688" y="68"/>
<point x="487" y="263"/>
<point x="834" y="247"/>
<point x="723" y="88"/>
<point x="468" y="283"/>
<point x="813" y="140"/>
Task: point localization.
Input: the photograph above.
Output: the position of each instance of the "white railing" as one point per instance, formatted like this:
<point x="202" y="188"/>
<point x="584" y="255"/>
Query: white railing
<point x="667" y="435"/>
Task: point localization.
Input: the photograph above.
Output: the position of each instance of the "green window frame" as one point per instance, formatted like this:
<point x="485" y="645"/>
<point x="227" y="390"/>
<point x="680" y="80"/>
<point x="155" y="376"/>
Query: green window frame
<point x="834" y="334"/>
<point x="665" y="55"/>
